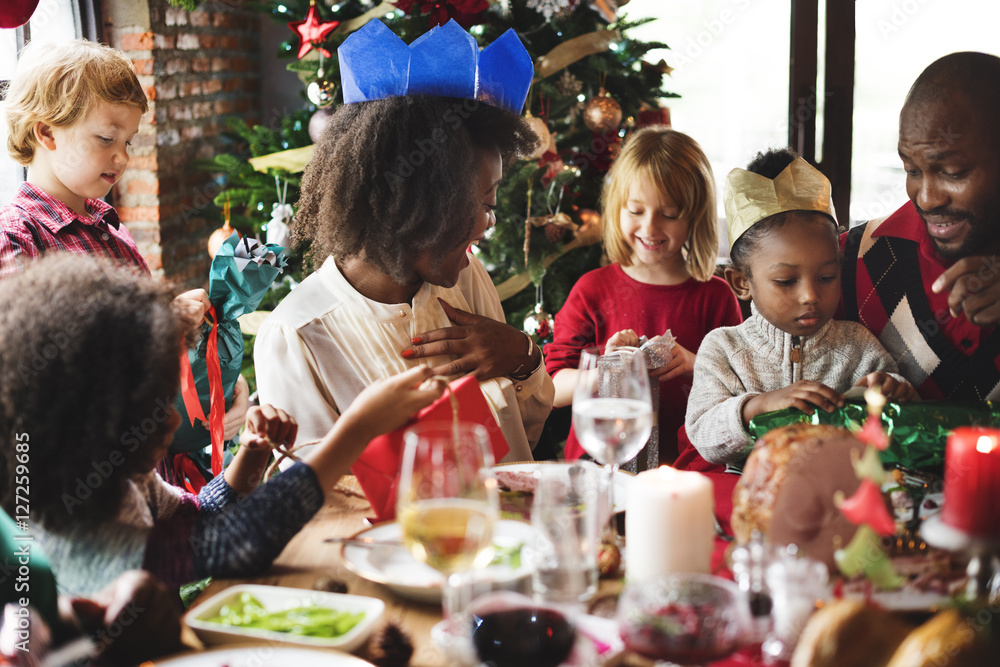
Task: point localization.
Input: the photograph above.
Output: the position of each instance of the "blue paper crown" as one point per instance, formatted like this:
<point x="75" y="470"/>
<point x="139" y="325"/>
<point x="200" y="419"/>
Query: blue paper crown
<point x="446" y="62"/>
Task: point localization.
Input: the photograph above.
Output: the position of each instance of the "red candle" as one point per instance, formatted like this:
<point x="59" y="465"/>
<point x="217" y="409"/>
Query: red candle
<point x="972" y="481"/>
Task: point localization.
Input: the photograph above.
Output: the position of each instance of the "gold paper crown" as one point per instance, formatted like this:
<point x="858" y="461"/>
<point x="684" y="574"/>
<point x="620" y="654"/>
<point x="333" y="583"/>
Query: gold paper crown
<point x="750" y="197"/>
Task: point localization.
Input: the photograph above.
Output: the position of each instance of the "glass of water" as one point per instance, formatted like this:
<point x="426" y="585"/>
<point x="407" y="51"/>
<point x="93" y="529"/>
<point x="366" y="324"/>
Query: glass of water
<point x="612" y="409"/>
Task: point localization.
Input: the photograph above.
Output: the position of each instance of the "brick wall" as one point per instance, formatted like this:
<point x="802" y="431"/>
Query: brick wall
<point x="196" y="67"/>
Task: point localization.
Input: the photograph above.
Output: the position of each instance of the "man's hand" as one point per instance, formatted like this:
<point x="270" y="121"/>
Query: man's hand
<point x="484" y="347"/>
<point x="892" y="389"/>
<point x="973" y="284"/>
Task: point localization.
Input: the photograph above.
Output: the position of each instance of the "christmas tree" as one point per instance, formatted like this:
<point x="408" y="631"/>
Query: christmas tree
<point x="592" y="86"/>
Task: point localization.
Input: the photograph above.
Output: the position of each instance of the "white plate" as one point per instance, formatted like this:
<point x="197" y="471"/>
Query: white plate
<point x="394" y="567"/>
<point x="264" y="655"/>
<point x="622" y="478"/>
<point x="276" y="598"/>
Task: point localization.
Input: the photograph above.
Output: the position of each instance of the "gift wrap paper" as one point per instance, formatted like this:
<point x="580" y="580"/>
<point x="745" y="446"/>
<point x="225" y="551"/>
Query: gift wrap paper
<point x="917" y="431"/>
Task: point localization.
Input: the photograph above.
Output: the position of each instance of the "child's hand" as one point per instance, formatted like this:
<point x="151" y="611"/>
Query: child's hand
<point x="266" y="425"/>
<point x="804" y="395"/>
<point x="191" y="307"/>
<point x="681" y="363"/>
<point x="894" y="390"/>
<point x="624" y="338"/>
<point x="388" y="404"/>
<point x="136" y="615"/>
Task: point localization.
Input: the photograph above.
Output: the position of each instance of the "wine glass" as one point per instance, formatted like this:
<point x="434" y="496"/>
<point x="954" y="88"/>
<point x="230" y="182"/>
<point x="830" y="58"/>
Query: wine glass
<point x="683" y="619"/>
<point x="447" y="502"/>
<point x="612" y="409"/>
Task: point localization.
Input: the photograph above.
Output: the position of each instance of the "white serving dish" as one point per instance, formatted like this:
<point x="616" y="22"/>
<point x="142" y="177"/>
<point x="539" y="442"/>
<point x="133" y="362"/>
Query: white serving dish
<point x="277" y="598"/>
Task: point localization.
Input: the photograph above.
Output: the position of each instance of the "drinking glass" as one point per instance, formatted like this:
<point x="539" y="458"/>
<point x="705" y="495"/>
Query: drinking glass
<point x="612" y="409"/>
<point x="685" y="619"/>
<point x="447" y="502"/>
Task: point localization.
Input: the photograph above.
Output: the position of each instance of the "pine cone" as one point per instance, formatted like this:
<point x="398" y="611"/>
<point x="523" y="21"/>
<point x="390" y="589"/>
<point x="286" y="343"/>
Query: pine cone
<point x="393" y="647"/>
<point x="554" y="233"/>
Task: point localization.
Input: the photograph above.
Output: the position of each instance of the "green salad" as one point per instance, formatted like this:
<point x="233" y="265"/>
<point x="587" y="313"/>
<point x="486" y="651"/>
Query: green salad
<point x="307" y="619"/>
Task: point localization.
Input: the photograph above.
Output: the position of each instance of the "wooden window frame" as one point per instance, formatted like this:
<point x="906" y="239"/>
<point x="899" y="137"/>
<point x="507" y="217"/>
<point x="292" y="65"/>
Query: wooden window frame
<point x="838" y="93"/>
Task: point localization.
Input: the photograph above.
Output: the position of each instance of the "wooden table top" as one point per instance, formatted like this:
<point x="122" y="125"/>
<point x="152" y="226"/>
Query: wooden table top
<point x="308" y="560"/>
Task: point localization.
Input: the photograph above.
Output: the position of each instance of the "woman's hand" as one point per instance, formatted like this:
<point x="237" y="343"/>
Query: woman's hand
<point x="893" y="390"/>
<point x="388" y="404"/>
<point x="484" y="347"/>
<point x="804" y="395"/>
<point x="681" y="363"/>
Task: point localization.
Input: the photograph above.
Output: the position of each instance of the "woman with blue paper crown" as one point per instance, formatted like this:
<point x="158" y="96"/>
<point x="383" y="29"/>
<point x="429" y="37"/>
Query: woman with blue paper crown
<point x="402" y="182"/>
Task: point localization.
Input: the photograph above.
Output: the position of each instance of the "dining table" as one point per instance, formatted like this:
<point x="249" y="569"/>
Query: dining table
<point x="310" y="561"/>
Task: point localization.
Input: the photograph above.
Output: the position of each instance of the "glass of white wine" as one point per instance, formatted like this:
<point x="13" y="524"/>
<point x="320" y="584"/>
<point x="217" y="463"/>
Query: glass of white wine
<point x="447" y="502"/>
<point x="612" y="408"/>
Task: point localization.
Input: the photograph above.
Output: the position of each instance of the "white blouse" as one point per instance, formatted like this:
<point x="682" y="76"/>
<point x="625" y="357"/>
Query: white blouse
<point x="325" y="342"/>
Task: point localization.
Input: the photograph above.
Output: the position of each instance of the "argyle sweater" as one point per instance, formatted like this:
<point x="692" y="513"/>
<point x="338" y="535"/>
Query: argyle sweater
<point x="889" y="267"/>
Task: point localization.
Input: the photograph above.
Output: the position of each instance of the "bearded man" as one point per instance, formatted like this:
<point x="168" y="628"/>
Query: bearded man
<point x="926" y="279"/>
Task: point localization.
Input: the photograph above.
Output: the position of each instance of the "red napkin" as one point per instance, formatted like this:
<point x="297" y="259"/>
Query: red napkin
<point x="378" y="467"/>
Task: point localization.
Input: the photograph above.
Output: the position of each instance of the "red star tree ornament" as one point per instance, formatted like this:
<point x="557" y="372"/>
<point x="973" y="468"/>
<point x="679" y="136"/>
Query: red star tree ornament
<point x="312" y="31"/>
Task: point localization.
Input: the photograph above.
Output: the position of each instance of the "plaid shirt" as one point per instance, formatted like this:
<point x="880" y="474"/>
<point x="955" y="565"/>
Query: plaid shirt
<point x="34" y="223"/>
<point x="889" y="267"/>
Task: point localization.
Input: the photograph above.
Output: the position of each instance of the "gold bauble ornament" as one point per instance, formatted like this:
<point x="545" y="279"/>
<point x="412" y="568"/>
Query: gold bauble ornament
<point x="590" y="229"/>
<point x="220" y="235"/>
<point x="602" y="113"/>
<point x="541" y="130"/>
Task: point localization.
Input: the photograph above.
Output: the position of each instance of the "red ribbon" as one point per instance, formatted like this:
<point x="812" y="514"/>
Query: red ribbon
<point x="187" y="472"/>
<point x="217" y="399"/>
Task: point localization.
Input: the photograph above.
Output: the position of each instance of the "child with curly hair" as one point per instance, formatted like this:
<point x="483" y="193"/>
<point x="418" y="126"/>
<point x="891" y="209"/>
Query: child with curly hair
<point x="89" y="367"/>
<point x="660" y="233"/>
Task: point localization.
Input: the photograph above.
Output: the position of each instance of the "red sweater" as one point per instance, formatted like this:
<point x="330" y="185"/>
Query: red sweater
<point x="605" y="301"/>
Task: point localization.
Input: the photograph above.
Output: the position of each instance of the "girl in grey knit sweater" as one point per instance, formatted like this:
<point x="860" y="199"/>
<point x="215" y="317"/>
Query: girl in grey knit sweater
<point x="790" y="352"/>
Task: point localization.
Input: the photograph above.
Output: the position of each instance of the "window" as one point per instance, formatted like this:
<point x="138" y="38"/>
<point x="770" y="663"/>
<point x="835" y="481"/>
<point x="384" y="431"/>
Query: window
<point x="895" y="42"/>
<point x="731" y="65"/>
<point x="53" y="20"/>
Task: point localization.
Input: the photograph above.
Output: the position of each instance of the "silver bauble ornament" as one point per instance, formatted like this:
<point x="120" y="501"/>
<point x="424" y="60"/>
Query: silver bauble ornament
<point x="321" y="91"/>
<point x="538" y="323"/>
<point x="318" y="123"/>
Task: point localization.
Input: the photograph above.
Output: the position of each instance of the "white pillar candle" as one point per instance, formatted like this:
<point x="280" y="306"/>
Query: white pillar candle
<point x="669" y="524"/>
